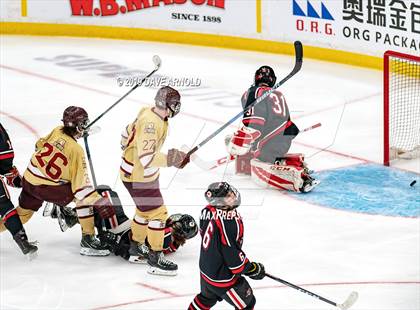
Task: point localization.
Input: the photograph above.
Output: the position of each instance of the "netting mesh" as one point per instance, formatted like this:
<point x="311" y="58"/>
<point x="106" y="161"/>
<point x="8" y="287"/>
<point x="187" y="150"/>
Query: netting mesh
<point x="404" y="104"/>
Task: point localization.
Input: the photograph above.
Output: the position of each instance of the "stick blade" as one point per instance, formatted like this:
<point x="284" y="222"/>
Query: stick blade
<point x="157" y="61"/>
<point x="349" y="301"/>
<point x="298" y="51"/>
<point x="93" y="130"/>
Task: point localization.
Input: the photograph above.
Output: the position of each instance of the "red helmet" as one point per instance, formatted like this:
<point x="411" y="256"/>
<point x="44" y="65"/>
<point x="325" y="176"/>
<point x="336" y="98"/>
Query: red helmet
<point x="168" y="98"/>
<point x="75" y="117"/>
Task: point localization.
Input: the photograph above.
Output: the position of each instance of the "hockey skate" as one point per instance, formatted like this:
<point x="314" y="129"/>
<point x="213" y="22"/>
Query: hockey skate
<point x="29" y="249"/>
<point x="110" y="240"/>
<point x="161" y="266"/>
<point x="309" y="184"/>
<point x="91" y="246"/>
<point x="66" y="216"/>
<point x="139" y="253"/>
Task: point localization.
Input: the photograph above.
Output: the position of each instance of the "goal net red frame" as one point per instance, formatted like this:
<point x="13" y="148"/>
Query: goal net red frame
<point x="401" y="106"/>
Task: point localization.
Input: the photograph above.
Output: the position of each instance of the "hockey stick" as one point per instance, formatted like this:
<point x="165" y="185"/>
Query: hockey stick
<point x="92" y="171"/>
<point x="296" y="68"/>
<point x="345" y="305"/>
<point x="213" y="164"/>
<point x="158" y="62"/>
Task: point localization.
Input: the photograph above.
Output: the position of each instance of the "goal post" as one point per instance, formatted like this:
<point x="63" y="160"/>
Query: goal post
<point x="401" y="106"/>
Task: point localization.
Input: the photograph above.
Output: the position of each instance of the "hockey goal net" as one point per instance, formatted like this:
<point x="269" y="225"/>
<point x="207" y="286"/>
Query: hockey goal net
<point x="401" y="106"/>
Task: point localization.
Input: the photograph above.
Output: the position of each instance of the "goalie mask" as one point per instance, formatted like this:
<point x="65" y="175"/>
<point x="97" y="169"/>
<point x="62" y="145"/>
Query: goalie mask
<point x="265" y="75"/>
<point x="76" y="119"/>
<point x="223" y="196"/>
<point x="170" y="99"/>
<point x="183" y="225"/>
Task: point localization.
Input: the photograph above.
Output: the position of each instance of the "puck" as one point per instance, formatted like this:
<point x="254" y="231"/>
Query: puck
<point x="412" y="183"/>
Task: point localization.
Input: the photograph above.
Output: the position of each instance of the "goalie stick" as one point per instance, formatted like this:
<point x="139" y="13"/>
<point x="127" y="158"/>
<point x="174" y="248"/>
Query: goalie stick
<point x="213" y="164"/>
<point x="296" y="68"/>
<point x="351" y="299"/>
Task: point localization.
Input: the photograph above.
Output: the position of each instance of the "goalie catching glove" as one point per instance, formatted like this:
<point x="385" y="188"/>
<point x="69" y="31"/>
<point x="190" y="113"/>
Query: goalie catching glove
<point x="13" y="178"/>
<point x="177" y="159"/>
<point x="242" y="140"/>
<point x="256" y="272"/>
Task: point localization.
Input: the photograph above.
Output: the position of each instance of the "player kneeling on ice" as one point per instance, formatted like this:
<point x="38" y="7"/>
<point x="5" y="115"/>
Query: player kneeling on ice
<point x="9" y="218"/>
<point x="57" y="173"/>
<point x="178" y="227"/>
<point x="141" y="143"/>
<point x="222" y="261"/>
<point x="261" y="145"/>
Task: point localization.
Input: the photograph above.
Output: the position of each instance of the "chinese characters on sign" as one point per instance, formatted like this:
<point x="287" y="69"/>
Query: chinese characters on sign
<point x="400" y="15"/>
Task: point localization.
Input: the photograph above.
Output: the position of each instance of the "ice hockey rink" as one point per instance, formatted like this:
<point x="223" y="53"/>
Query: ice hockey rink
<point x="357" y="231"/>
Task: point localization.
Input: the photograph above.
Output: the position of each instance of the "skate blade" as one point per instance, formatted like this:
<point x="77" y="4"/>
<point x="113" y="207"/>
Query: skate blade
<point x="137" y="260"/>
<point x="160" y="272"/>
<point x="310" y="187"/>
<point x="93" y="252"/>
<point x="32" y="255"/>
<point x="49" y="207"/>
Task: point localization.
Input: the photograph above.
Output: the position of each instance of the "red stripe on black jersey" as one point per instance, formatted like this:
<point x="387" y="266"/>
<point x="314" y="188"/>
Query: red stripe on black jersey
<point x="253" y="120"/>
<point x="240" y="268"/>
<point x="7" y="155"/>
<point x="219" y="283"/>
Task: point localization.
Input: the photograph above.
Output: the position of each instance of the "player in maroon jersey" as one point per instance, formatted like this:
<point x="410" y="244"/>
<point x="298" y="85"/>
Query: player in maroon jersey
<point x="223" y="263"/>
<point x="263" y="141"/>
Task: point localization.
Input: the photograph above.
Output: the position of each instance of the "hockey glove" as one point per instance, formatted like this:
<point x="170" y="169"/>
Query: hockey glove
<point x="13" y="178"/>
<point x="104" y="208"/>
<point x="178" y="240"/>
<point x="256" y="272"/>
<point x="177" y="159"/>
<point x="241" y="142"/>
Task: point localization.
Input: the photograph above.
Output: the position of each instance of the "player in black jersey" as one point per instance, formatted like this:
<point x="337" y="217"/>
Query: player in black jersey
<point x="178" y="228"/>
<point x="266" y="137"/>
<point x="9" y="217"/>
<point x="222" y="260"/>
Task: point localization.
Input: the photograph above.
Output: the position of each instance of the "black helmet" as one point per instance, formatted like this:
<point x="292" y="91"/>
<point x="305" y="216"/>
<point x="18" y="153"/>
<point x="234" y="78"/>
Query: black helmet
<point x="217" y="192"/>
<point x="265" y="75"/>
<point x="183" y="225"/>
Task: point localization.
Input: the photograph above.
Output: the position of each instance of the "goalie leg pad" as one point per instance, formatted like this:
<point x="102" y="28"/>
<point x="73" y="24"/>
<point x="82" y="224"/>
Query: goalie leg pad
<point x="277" y="176"/>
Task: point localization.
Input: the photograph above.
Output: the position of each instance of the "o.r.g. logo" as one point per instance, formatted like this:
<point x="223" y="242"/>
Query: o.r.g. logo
<point x="311" y="19"/>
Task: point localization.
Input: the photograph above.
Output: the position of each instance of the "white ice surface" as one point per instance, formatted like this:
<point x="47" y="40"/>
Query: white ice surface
<point x="329" y="252"/>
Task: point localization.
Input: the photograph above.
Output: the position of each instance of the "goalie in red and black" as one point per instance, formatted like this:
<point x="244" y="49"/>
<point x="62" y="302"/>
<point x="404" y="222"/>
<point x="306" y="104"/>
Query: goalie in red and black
<point x="9" y="216"/>
<point x="262" y="143"/>
<point x="223" y="263"/>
